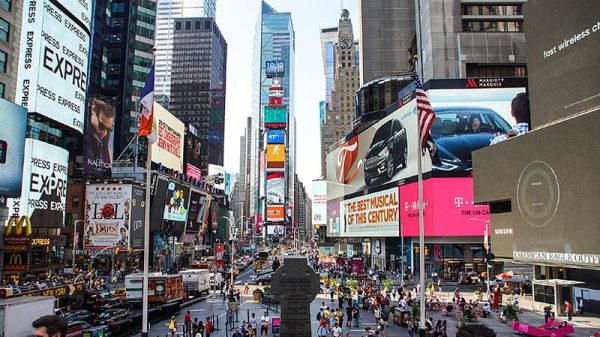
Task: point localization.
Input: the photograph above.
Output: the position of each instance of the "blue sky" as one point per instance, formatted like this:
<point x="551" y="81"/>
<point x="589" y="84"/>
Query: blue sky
<point x="237" y="21"/>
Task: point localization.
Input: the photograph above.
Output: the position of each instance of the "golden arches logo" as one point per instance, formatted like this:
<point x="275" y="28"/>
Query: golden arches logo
<point x="17" y="225"/>
<point x="15" y="260"/>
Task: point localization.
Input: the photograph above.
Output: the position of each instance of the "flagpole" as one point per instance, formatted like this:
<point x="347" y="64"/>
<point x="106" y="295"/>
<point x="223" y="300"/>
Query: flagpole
<point x="146" y="244"/>
<point x="421" y="232"/>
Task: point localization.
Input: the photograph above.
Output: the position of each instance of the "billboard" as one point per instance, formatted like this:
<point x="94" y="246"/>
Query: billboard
<point x="52" y="71"/>
<point x="176" y="202"/>
<point x="374" y="214"/>
<point x="274" y="68"/>
<point x="196" y="212"/>
<point x="98" y="138"/>
<point x="216" y="175"/>
<point x="168" y="149"/>
<point x="107" y="216"/>
<point x="158" y="190"/>
<point x="44" y="186"/>
<point x="319" y="202"/>
<point x="563" y="39"/>
<point x="275" y="213"/>
<point x="275" y="188"/>
<point x="192" y="156"/>
<point x="468" y="119"/>
<point x="12" y="147"/>
<point x="136" y="229"/>
<point x="275" y="117"/>
<point x="275" y="156"/>
<point x="449" y="208"/>
<point x="333" y="218"/>
<point x="275" y="137"/>
<point x="275" y="230"/>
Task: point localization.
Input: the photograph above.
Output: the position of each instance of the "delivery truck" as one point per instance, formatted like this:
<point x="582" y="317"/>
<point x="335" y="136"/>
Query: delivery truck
<point x="17" y="314"/>
<point x="196" y="281"/>
<point x="162" y="288"/>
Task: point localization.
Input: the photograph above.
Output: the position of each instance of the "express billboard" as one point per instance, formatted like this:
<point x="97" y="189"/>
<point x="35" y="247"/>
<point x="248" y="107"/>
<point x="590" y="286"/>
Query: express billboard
<point x="192" y="156"/>
<point x="449" y="208"/>
<point x="275" y="188"/>
<point x="52" y="71"/>
<point x="216" y="175"/>
<point x="12" y="147"/>
<point x="168" y="149"/>
<point x="275" y="137"/>
<point x="107" y="216"/>
<point x="319" y="202"/>
<point x="44" y="185"/>
<point x="99" y="138"/>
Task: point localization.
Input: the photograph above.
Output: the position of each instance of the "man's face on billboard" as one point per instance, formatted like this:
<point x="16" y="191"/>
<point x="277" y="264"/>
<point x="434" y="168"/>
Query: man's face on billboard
<point x="102" y="125"/>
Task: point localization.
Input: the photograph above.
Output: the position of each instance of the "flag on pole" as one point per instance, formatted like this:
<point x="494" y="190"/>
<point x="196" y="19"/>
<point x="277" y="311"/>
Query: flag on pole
<point x="147" y="102"/>
<point x="426" y="117"/>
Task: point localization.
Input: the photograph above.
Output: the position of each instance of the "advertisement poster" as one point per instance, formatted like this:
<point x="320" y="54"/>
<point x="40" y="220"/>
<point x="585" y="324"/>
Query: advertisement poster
<point x="176" y="202"/>
<point x="219" y="255"/>
<point x="197" y="210"/>
<point x="192" y="156"/>
<point x="52" y="72"/>
<point x="138" y="203"/>
<point x="107" y="215"/>
<point x="274" y="68"/>
<point x="275" y="213"/>
<point x="275" y="137"/>
<point x="467" y="120"/>
<point x="168" y="149"/>
<point x="275" y="117"/>
<point x="12" y="147"/>
<point x="275" y="156"/>
<point x="275" y="188"/>
<point x="375" y="214"/>
<point x="275" y="230"/>
<point x="44" y="186"/>
<point x="216" y="176"/>
<point x="319" y="202"/>
<point x="333" y="218"/>
<point x="449" y="209"/>
<point x="158" y="188"/>
<point x="99" y="138"/>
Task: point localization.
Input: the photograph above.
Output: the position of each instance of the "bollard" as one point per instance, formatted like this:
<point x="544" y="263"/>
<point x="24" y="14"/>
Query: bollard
<point x="236" y="316"/>
<point x="248" y="315"/>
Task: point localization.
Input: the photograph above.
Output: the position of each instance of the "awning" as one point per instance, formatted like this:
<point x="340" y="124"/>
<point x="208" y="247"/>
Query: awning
<point x="559" y="282"/>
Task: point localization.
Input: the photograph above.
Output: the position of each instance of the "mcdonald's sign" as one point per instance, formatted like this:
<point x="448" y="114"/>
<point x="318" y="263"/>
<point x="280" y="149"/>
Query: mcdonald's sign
<point x="15" y="261"/>
<point x="18" y="234"/>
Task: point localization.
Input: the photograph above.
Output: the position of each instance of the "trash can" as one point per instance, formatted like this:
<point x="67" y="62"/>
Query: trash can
<point x="275" y="326"/>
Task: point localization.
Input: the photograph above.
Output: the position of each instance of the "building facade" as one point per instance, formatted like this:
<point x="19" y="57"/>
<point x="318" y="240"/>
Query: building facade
<point x="167" y="12"/>
<point x="340" y="113"/>
<point x="198" y="83"/>
<point x="387" y="29"/>
<point x="10" y="35"/>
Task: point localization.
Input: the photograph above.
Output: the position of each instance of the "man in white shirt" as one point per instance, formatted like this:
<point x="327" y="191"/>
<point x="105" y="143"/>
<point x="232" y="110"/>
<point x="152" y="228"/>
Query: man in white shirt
<point x="264" y="325"/>
<point x="254" y="324"/>
<point x="403" y="303"/>
<point x="336" y="331"/>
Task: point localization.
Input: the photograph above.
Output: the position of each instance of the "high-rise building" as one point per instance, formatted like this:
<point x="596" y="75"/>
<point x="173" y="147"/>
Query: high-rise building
<point x="340" y="113"/>
<point x="198" y="74"/>
<point x="122" y="52"/>
<point x="470" y="39"/>
<point x="168" y="11"/>
<point x="329" y="38"/>
<point x="386" y="32"/>
<point x="10" y="35"/>
<point x="274" y="40"/>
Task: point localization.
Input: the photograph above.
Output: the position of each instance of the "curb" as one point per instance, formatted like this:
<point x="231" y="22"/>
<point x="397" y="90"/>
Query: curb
<point x="192" y="302"/>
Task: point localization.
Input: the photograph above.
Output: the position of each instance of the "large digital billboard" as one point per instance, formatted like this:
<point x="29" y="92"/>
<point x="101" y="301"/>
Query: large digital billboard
<point x="275" y="213"/>
<point x="176" y="202"/>
<point x="192" y="155"/>
<point x="275" y="117"/>
<point x="12" y="147"/>
<point x="216" y="175"/>
<point x="52" y="72"/>
<point x="275" y="156"/>
<point x="44" y="186"/>
<point x="99" y="138"/>
<point x="274" y="68"/>
<point x="107" y="216"/>
<point x="168" y="149"/>
<point x="563" y="39"/>
<point x="275" y="137"/>
<point x="374" y="214"/>
<point x="319" y="202"/>
<point x="449" y="208"/>
<point x="198" y="210"/>
<point x="333" y="218"/>
<point x="158" y="190"/>
<point x="138" y="214"/>
<point x="275" y="188"/>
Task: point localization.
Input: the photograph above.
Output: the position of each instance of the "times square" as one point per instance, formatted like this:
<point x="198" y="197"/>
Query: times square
<point x="305" y="168"/>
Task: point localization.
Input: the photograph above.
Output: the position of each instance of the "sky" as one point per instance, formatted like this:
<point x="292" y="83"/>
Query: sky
<point x="237" y="21"/>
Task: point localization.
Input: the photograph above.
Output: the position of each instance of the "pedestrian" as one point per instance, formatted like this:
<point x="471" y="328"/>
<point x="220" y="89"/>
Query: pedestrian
<point x="336" y="331"/>
<point x="322" y="330"/>
<point x="254" y="324"/>
<point x="569" y="310"/>
<point x="264" y="324"/>
<point x="580" y="305"/>
<point x="331" y="292"/>
<point x="340" y="299"/>
<point x="355" y="316"/>
<point x="173" y="326"/>
<point x="50" y="326"/>
<point x="237" y="333"/>
<point x="187" y="324"/>
<point x="199" y="332"/>
<point x="349" y="315"/>
<point x="496" y="299"/>
<point x="340" y="317"/>
<point x="246" y="288"/>
<point x="208" y="327"/>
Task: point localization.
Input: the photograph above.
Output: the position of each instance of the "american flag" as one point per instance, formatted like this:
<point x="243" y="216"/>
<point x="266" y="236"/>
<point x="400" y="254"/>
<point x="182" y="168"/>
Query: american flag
<point x="426" y="114"/>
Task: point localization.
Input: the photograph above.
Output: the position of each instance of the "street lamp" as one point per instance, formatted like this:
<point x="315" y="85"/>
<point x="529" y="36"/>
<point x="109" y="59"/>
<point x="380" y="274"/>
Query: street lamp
<point x="486" y="245"/>
<point x="232" y="238"/>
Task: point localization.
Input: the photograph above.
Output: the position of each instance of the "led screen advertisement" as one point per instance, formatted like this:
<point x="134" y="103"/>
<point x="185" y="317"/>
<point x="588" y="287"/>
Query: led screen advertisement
<point x="274" y="68"/>
<point x="192" y="156"/>
<point x="198" y="211"/>
<point x="176" y="202"/>
<point x="319" y="202"/>
<point x="374" y="214"/>
<point x="275" y="188"/>
<point x="138" y="207"/>
<point x="12" y="147"/>
<point x="275" y="117"/>
<point x="449" y="209"/>
<point x="99" y="138"/>
<point x="275" y="137"/>
<point x="44" y="185"/>
<point x="52" y="71"/>
<point x="275" y="156"/>
<point x="168" y="149"/>
<point x="107" y="216"/>
<point x="333" y="218"/>
<point x="216" y="175"/>
<point x="275" y="213"/>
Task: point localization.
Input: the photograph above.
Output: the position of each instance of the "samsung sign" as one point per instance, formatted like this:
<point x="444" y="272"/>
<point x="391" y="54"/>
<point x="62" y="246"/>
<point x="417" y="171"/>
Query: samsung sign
<point x="55" y="41"/>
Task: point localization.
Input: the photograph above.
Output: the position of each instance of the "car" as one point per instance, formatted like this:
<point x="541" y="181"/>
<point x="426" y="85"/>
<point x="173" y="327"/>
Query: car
<point x="388" y="150"/>
<point x="455" y="138"/>
<point x="112" y="315"/>
<point x="80" y="315"/>
<point x="114" y="303"/>
<point x="77" y="328"/>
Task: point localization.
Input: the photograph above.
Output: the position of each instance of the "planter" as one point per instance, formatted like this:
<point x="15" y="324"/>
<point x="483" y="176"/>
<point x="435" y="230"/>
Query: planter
<point x="257" y="294"/>
<point x="233" y="305"/>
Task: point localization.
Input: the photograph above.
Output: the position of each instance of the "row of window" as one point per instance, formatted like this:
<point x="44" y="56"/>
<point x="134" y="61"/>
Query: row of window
<point x="6" y="5"/>
<point x="493" y="26"/>
<point x="492" y="10"/>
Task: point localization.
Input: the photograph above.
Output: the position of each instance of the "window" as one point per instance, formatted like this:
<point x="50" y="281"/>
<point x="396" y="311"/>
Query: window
<point x="188" y="25"/>
<point x="4" y="30"/>
<point x="3" y="57"/>
<point x="2" y="86"/>
<point x="75" y="202"/>
<point x="5" y="4"/>
<point x="178" y="26"/>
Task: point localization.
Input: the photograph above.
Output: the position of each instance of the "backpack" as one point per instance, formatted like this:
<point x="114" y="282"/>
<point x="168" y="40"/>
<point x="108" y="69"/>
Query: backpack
<point x="319" y="315"/>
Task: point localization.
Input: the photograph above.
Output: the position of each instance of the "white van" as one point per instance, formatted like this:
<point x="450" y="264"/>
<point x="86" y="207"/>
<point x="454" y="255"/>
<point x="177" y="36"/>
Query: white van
<point x="196" y="281"/>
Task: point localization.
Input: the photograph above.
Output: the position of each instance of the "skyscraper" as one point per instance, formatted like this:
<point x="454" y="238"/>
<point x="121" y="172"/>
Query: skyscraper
<point x="329" y="38"/>
<point x="340" y="113"/>
<point x="274" y="40"/>
<point x="387" y="30"/>
<point x="198" y="75"/>
<point x="168" y="11"/>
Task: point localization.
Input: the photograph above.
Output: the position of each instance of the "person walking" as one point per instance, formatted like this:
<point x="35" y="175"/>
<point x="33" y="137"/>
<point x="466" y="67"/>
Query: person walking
<point x="580" y="305"/>
<point x="208" y="327"/>
<point x="336" y="331"/>
<point x="569" y="310"/>
<point x="322" y="330"/>
<point x="173" y="326"/>
<point x="349" y="315"/>
<point x="264" y="325"/>
<point x="237" y="333"/>
<point x="254" y="324"/>
<point x="187" y="324"/>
